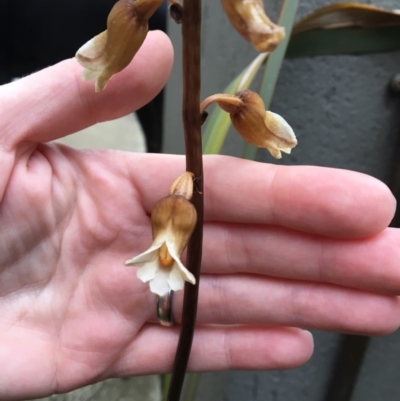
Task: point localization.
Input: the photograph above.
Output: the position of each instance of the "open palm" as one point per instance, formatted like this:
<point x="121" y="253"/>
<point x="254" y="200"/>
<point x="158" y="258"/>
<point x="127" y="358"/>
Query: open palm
<point x="284" y="247"/>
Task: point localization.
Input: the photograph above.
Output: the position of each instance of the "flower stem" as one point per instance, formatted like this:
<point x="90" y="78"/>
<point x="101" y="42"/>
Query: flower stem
<point x="191" y="33"/>
<point x="226" y="99"/>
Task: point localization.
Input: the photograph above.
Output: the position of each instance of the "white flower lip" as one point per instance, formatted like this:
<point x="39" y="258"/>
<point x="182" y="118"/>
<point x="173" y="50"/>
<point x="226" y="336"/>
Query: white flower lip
<point x="283" y="138"/>
<point x="91" y="57"/>
<point x="173" y="220"/>
<point x="161" y="278"/>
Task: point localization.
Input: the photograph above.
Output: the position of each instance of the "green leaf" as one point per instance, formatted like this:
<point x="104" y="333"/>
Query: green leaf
<point x="346" y="28"/>
<point x="191" y="386"/>
<point x="274" y="64"/>
<point x="345" y="15"/>
<point x="166" y="380"/>
<point x="219" y="122"/>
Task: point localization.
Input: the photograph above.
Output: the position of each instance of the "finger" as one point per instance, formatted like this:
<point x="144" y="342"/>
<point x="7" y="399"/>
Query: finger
<point x="318" y="200"/>
<point x="253" y="300"/>
<point x="370" y="264"/>
<point x="56" y="102"/>
<point x="322" y="201"/>
<point x="217" y="348"/>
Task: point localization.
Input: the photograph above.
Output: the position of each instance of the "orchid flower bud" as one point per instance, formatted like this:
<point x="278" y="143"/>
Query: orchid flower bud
<point x="112" y="50"/>
<point x="173" y="220"/>
<point x="249" y="19"/>
<point x="183" y="185"/>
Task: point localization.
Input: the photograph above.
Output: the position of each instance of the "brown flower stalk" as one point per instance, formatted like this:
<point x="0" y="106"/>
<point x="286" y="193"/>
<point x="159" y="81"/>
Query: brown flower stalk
<point x="191" y="27"/>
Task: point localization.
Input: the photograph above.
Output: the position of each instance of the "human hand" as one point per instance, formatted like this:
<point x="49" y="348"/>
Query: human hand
<point x="284" y="247"/>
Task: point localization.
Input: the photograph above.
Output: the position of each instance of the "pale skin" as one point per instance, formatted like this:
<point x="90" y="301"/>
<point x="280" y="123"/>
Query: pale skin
<point x="285" y="249"/>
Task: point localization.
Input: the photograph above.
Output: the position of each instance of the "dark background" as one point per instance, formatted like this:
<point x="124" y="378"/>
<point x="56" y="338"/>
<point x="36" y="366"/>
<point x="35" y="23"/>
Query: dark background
<point x="35" y="34"/>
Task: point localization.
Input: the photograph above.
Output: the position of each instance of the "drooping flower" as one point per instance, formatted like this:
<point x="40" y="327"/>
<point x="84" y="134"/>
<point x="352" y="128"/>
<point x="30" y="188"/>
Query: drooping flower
<point x="248" y="17"/>
<point x="260" y="127"/>
<point x="112" y="50"/>
<point x="173" y="220"/>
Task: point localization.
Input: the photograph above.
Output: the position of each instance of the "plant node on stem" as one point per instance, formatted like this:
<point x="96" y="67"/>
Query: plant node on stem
<point x="176" y="11"/>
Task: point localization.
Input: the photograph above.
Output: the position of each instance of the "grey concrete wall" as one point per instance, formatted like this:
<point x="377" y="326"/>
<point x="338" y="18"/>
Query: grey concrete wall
<point x="345" y="117"/>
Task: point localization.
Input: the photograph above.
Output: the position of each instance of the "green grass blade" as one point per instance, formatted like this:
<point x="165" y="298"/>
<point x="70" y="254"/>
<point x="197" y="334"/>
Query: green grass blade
<point x="249" y="73"/>
<point x="343" y="28"/>
<point x="219" y="122"/>
<point x="274" y="63"/>
<point x="192" y="383"/>
<point x="347" y="15"/>
<point x="166" y="380"/>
